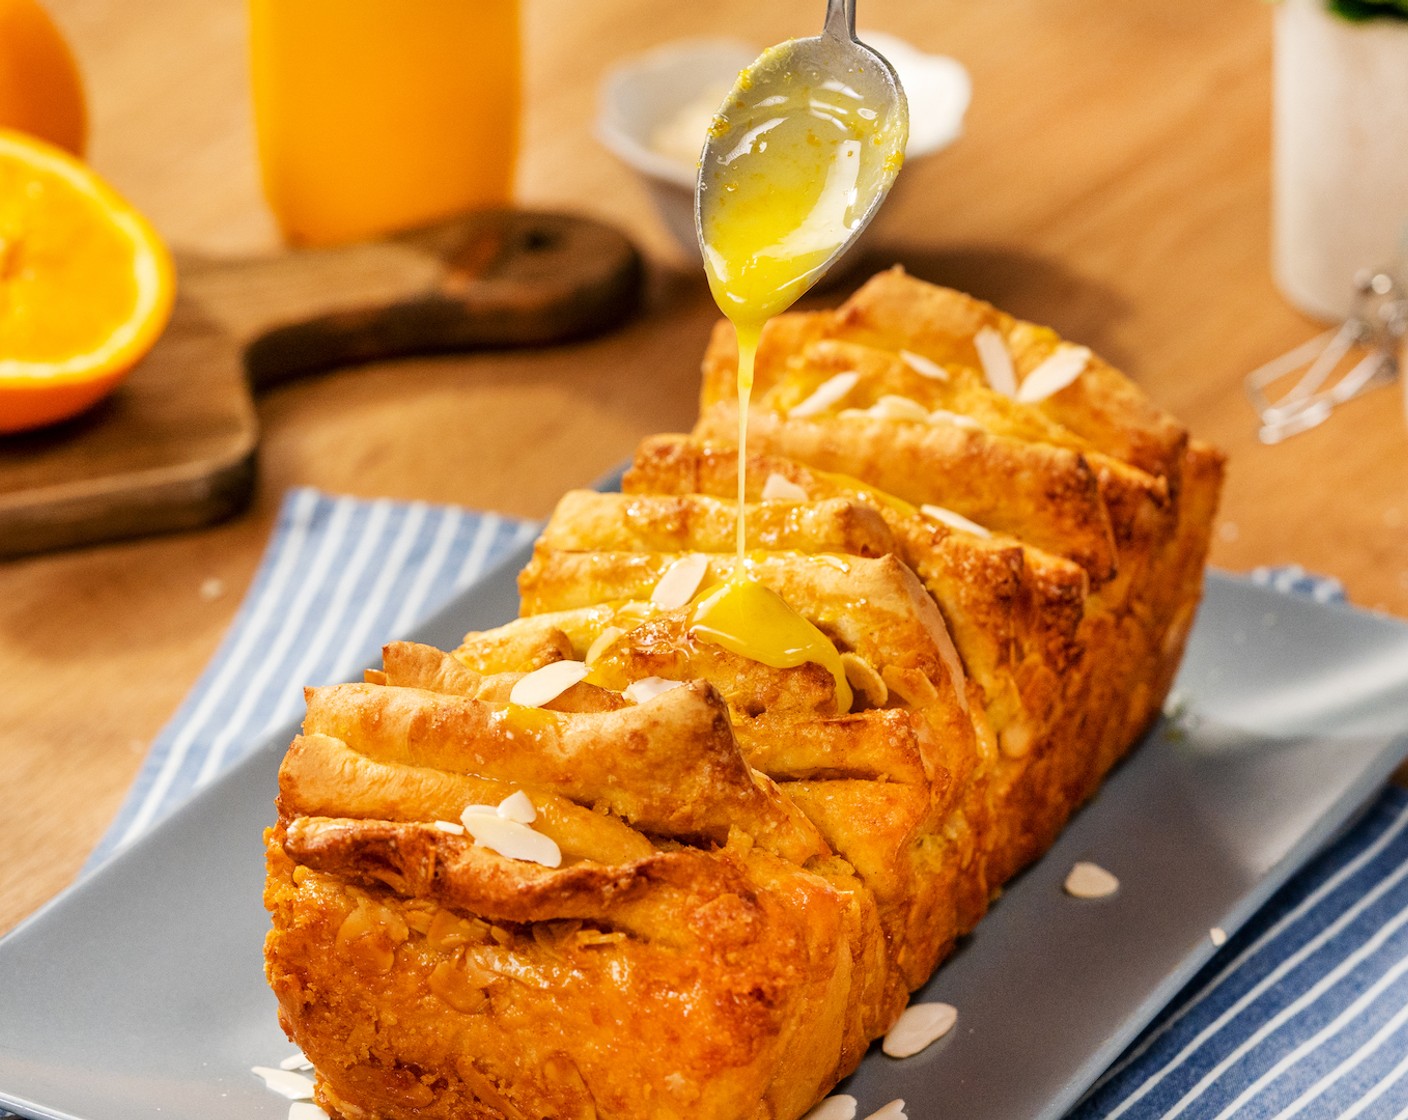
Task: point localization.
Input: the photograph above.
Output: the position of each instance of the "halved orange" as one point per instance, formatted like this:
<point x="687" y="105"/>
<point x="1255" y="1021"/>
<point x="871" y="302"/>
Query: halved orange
<point x="86" y="285"/>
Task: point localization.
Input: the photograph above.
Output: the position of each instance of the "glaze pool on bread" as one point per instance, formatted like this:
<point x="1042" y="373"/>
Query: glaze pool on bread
<point x="753" y="875"/>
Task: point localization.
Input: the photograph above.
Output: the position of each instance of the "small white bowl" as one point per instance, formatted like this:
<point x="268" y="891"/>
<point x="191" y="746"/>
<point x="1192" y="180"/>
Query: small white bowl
<point x="652" y="93"/>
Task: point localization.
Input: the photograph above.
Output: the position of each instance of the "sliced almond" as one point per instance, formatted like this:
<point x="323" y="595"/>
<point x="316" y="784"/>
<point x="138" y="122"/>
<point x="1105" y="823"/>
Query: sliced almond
<point x="603" y="642"/>
<point x="517" y="806"/>
<point x="997" y="362"/>
<point x="647" y="688"/>
<point x="954" y="520"/>
<point x="779" y="489"/>
<point x="894" y="407"/>
<point x="830" y="392"/>
<point x="680" y="581"/>
<point x="862" y="676"/>
<point x="1054" y="374"/>
<point x="839" y="1107"/>
<point x="296" y="1060"/>
<point x="483" y="810"/>
<point x="1090" y="880"/>
<point x="913" y="686"/>
<point x="543" y="686"/>
<point x="957" y="419"/>
<point x="919" y="1026"/>
<point x="287" y="1083"/>
<point x="925" y="367"/>
<point x="892" y="1111"/>
<point x="512" y="840"/>
<point x="449" y="826"/>
<point x="1218" y="936"/>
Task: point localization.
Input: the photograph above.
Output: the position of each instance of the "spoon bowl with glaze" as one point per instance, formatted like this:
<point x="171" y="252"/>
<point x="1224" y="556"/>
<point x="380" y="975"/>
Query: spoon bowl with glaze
<point x="797" y="162"/>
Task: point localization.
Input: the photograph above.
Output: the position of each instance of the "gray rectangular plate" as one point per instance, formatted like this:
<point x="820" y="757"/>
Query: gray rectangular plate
<point x="140" y="992"/>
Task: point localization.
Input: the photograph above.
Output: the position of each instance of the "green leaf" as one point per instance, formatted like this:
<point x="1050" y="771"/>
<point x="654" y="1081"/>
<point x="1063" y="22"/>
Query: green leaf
<point x="1361" y="10"/>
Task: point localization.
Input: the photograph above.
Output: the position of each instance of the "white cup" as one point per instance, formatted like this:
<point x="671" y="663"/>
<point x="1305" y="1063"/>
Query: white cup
<point x="1340" y="202"/>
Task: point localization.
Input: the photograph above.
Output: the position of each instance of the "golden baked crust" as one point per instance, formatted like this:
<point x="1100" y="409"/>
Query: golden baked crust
<point x="754" y="871"/>
<point x="686" y="983"/>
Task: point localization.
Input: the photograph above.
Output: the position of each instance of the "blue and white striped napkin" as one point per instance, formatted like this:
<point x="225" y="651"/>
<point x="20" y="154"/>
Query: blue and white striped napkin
<point x="340" y="576"/>
<point x="1304" y="1013"/>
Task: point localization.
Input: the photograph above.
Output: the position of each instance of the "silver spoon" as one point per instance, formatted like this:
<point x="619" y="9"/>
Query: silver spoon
<point x="761" y="215"/>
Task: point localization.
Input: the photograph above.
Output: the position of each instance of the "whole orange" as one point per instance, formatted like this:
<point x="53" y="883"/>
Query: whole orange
<point x="41" y="91"/>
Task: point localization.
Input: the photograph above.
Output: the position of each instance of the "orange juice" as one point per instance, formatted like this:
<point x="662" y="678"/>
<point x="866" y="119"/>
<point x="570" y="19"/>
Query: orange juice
<point x="375" y="115"/>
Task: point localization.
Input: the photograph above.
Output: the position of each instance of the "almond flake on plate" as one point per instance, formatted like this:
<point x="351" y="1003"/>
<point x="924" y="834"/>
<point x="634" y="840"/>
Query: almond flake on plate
<point x="512" y="840"/>
<point x="294" y="1086"/>
<point x="839" y="1107"/>
<point x="296" y="1060"/>
<point x="648" y="688"/>
<point x="1090" y="880"/>
<point x="830" y="392"/>
<point x="446" y="826"/>
<point x="925" y="367"/>
<point x="919" y="1025"/>
<point x="892" y="1111"/>
<point x="517" y="806"/>
<point x="680" y="581"/>
<point x="543" y="686"/>
<point x="997" y="362"/>
<point x="304" y="1110"/>
<point x="1054" y="374"/>
<point x="779" y="489"/>
<point x="954" y="520"/>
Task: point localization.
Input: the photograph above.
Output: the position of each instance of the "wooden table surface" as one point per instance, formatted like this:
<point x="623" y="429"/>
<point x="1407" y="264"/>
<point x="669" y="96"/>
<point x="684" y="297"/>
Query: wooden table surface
<point x="1113" y="182"/>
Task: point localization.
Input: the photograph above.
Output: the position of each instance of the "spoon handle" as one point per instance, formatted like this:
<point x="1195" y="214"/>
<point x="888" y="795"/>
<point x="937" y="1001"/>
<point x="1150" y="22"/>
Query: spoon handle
<point x="840" y="19"/>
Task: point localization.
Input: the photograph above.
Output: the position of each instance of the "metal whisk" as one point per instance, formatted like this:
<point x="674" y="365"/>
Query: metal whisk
<point x="1377" y="323"/>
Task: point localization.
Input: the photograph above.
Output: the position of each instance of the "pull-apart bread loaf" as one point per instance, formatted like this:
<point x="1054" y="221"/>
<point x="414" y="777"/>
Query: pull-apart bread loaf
<point x="677" y="881"/>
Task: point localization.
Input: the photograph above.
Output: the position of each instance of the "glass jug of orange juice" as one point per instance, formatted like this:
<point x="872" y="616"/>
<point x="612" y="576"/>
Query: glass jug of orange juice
<point x="376" y="115"/>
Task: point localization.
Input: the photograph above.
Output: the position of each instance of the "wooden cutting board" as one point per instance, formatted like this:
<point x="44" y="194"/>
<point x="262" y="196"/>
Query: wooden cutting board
<point x="175" y="446"/>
